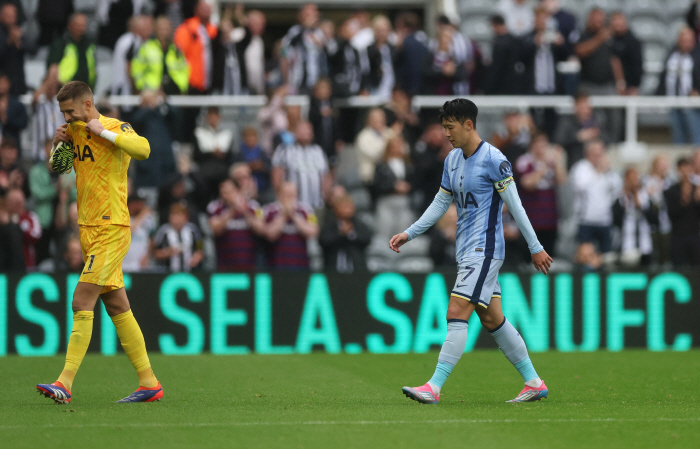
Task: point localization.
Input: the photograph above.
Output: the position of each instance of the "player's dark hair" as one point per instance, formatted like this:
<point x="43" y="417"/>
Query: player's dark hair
<point x="459" y="110"/>
<point x="74" y="90"/>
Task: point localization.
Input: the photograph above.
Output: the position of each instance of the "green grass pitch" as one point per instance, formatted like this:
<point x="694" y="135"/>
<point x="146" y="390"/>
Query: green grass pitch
<point x="631" y="399"/>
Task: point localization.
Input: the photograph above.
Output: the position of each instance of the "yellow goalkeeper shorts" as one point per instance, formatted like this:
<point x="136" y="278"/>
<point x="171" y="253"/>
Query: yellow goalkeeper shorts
<point x="104" y="249"/>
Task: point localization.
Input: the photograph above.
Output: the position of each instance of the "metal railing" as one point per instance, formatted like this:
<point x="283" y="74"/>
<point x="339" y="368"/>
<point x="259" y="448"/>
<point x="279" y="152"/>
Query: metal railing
<point x="564" y="104"/>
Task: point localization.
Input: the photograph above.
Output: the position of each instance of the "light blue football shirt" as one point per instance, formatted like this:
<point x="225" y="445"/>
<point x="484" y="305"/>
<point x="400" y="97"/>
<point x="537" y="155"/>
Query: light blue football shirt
<point x="471" y="181"/>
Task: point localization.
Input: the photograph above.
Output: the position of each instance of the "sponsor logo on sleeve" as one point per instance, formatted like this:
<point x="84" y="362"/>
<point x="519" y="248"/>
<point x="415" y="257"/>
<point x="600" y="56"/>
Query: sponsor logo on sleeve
<point x="504" y="183"/>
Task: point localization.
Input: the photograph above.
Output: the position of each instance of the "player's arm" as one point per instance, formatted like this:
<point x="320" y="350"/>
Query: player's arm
<point x="506" y="189"/>
<point x="501" y="174"/>
<point x="432" y="214"/>
<point x="126" y="140"/>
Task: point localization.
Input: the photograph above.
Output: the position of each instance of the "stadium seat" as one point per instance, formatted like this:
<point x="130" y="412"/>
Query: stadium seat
<point x="654" y="53"/>
<point x="360" y="195"/>
<point x="414" y="265"/>
<point x="476" y="28"/>
<point x="676" y="9"/>
<point x="469" y="7"/>
<point x="645" y="8"/>
<point x="346" y="171"/>
<point x="379" y="263"/>
<point x="648" y="29"/>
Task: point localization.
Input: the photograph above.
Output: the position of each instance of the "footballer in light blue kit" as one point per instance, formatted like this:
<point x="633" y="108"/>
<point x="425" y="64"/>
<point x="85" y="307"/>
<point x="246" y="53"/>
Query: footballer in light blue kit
<point x="479" y="179"/>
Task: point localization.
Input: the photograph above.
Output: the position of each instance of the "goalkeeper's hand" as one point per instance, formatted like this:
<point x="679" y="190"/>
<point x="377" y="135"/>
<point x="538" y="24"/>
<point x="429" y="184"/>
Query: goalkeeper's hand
<point x="61" y="159"/>
<point x="61" y="135"/>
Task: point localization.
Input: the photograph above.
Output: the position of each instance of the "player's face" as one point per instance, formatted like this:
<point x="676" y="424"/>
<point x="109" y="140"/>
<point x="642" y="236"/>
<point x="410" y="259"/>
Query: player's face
<point x="74" y="110"/>
<point x="457" y="133"/>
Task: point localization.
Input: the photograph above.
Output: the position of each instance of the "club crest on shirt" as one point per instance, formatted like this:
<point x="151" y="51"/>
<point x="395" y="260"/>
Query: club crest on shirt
<point x="126" y="128"/>
<point x="505" y="169"/>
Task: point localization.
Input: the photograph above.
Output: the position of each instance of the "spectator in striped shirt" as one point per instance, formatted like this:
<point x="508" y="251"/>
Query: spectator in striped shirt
<point x="304" y="164"/>
<point x="178" y="243"/>
<point x="47" y="114"/>
<point x="540" y="171"/>
<point x="236" y="222"/>
<point x="289" y="225"/>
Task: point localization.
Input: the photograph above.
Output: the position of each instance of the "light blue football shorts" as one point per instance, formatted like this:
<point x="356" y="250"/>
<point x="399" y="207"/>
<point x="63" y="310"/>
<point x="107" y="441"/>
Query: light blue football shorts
<point x="477" y="280"/>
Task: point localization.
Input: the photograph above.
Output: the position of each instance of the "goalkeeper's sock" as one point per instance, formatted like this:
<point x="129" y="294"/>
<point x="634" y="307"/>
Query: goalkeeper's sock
<point x="77" y="346"/>
<point x="451" y="352"/>
<point x="134" y="346"/>
<point x="513" y="347"/>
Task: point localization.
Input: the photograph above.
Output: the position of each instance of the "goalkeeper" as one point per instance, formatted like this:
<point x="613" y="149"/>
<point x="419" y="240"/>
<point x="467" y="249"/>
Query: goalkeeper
<point x="103" y="148"/>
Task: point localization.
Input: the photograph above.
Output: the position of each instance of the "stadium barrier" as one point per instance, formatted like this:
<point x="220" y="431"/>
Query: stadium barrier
<point x="633" y="105"/>
<point x="284" y="313"/>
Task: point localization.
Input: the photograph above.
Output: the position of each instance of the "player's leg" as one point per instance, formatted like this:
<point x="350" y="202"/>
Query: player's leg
<point x="130" y="335"/>
<point x="470" y="281"/>
<point x="458" y="312"/>
<point x="513" y="347"/>
<point x="84" y="299"/>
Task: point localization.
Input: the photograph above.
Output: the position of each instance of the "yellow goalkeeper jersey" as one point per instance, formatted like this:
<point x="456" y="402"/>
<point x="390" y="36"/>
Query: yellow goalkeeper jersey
<point x="101" y="172"/>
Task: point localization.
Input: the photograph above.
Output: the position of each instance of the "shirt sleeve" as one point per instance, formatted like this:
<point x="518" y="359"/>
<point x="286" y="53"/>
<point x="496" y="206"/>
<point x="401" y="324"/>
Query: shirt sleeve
<point x="509" y="195"/>
<point x="431" y="215"/>
<point x="131" y="143"/>
<point x="278" y="157"/>
<point x="445" y="183"/>
<point x="499" y="170"/>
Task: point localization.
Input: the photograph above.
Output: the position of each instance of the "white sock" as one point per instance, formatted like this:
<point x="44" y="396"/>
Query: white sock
<point x="534" y="383"/>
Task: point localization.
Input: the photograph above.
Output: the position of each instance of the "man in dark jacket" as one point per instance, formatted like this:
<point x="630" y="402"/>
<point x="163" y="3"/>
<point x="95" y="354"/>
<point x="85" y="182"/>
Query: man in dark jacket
<point x="683" y="203"/>
<point x="381" y="77"/>
<point x="344" y="238"/>
<point x="11" y="49"/>
<point x="507" y="72"/>
<point x="11" y="252"/>
<point x="344" y="66"/>
<point x="13" y="115"/>
<point x="411" y="51"/>
<point x="628" y="50"/>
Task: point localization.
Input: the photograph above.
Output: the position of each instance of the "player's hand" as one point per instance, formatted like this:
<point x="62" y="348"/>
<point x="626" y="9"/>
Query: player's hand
<point x="398" y="241"/>
<point x="542" y="261"/>
<point x="61" y="135"/>
<point x="95" y="127"/>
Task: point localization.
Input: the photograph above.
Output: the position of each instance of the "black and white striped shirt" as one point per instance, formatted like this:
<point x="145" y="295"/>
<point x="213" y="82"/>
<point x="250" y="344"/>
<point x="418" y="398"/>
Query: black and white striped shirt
<point x="305" y="166"/>
<point x="188" y="240"/>
<point x="47" y="117"/>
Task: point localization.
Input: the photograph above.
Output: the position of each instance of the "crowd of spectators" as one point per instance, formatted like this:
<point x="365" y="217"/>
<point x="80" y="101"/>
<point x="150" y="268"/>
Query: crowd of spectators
<point x="262" y="193"/>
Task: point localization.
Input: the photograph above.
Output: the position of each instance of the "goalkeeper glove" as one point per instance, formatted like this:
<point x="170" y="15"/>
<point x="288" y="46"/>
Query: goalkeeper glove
<point x="61" y="159"/>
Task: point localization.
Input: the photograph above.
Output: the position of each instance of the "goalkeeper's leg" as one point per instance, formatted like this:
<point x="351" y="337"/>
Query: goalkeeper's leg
<point x="84" y="299"/>
<point x="129" y="332"/>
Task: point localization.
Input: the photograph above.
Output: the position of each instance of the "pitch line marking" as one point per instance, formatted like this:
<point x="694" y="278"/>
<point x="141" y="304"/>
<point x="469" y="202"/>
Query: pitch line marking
<point x="358" y="423"/>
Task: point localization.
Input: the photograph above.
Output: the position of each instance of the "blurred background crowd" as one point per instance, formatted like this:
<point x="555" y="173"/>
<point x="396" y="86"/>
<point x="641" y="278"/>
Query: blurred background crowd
<point x="321" y="185"/>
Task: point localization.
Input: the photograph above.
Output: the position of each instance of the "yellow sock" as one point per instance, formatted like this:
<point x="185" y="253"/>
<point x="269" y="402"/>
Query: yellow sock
<point x="77" y="346"/>
<point x="134" y="345"/>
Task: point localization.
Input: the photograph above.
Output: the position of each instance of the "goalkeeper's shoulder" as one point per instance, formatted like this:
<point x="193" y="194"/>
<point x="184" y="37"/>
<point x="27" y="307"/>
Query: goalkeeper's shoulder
<point x="117" y="126"/>
<point x="126" y="139"/>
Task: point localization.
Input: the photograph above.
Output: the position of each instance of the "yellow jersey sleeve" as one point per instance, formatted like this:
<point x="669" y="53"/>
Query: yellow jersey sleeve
<point x="128" y="141"/>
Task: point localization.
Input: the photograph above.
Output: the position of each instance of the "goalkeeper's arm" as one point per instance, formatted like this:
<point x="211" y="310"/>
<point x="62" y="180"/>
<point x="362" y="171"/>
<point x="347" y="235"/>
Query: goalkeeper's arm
<point x="133" y="145"/>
